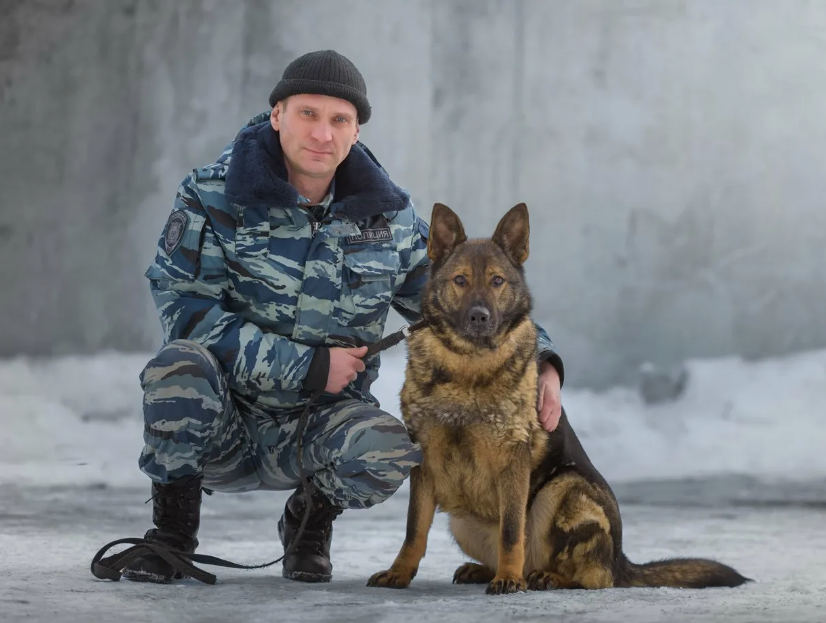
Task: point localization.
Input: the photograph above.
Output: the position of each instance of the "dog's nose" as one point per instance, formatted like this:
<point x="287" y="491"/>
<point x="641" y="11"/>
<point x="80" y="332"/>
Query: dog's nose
<point x="479" y="316"/>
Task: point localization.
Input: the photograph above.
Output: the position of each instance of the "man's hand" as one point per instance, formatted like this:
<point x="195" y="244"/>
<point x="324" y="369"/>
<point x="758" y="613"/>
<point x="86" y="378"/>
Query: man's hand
<point x="345" y="364"/>
<point x="549" y="403"/>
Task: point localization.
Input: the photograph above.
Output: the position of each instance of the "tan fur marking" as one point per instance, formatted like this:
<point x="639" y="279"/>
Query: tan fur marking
<point x="478" y="539"/>
<point x="421" y="509"/>
<point x="513" y="499"/>
<point x="545" y="507"/>
<point x="581" y="510"/>
<point x="593" y="577"/>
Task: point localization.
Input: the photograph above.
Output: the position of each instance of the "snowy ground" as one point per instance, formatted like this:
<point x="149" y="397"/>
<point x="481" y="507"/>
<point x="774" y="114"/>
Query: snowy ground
<point x="736" y="470"/>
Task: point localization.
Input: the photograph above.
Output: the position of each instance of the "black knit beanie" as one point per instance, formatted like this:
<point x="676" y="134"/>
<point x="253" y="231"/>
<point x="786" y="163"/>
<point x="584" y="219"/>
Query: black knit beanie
<point x="325" y="72"/>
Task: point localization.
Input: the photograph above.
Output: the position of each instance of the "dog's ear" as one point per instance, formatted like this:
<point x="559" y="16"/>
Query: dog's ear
<point x="512" y="233"/>
<point x="446" y="233"/>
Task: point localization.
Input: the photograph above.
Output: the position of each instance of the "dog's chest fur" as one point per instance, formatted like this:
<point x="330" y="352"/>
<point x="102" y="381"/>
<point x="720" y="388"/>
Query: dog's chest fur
<point x="470" y="423"/>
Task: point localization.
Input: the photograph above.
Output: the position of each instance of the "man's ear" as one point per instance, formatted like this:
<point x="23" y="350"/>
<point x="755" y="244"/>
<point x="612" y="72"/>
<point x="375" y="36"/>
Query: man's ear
<point x="275" y="117"/>
<point x="356" y="137"/>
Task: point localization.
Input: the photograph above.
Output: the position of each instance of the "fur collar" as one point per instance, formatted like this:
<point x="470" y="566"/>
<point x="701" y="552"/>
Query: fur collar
<point x="257" y="176"/>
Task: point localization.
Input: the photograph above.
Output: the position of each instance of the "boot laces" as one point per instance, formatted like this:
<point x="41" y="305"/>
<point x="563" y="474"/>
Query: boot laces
<point x="177" y="507"/>
<point x="319" y="526"/>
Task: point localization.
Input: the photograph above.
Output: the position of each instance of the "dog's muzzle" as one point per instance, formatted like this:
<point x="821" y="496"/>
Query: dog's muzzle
<point x="479" y="322"/>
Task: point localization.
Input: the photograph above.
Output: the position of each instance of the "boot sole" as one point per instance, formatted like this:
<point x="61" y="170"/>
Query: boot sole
<point x="134" y="575"/>
<point x="304" y="576"/>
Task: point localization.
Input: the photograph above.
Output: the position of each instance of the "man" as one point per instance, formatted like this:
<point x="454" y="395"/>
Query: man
<point x="277" y="265"/>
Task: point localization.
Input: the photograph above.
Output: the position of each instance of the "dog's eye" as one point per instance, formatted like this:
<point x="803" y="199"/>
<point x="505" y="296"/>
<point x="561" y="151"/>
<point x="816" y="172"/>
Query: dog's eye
<point x="497" y="281"/>
<point x="459" y="280"/>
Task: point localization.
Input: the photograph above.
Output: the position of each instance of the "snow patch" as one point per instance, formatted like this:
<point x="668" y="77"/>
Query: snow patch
<point x="77" y="420"/>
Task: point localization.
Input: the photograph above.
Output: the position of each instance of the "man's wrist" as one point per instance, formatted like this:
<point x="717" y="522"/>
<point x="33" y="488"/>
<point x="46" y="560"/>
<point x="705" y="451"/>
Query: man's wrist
<point x="319" y="370"/>
<point x="553" y="361"/>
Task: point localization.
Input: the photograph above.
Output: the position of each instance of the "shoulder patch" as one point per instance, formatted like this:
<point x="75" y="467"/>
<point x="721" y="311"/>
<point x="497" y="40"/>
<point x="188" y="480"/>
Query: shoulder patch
<point x="175" y="230"/>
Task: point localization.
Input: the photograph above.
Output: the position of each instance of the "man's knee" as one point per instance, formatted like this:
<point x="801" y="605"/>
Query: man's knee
<point x="185" y="397"/>
<point x="181" y="358"/>
<point x="184" y="384"/>
<point x="376" y="459"/>
<point x="182" y="369"/>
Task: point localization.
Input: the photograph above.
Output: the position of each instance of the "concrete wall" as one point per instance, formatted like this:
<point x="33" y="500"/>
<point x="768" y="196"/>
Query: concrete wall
<point x="671" y="153"/>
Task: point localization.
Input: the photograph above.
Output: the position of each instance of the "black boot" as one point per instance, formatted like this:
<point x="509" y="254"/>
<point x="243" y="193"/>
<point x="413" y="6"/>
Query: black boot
<point x="310" y="560"/>
<point x="176" y="513"/>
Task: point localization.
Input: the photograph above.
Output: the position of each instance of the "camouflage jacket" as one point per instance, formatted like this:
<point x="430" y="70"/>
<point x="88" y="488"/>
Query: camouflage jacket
<point x="243" y="270"/>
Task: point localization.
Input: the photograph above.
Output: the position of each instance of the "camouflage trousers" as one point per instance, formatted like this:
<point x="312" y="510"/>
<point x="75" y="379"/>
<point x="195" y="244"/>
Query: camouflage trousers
<point x="354" y="453"/>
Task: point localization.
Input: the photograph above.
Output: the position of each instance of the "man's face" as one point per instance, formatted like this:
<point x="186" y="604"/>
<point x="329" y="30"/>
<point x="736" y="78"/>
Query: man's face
<point x="316" y="131"/>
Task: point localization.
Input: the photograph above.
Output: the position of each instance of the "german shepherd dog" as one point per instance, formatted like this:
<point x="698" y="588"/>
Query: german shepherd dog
<point x="527" y="505"/>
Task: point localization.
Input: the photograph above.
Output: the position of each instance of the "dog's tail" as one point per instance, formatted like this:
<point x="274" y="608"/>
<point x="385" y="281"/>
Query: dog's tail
<point x="678" y="573"/>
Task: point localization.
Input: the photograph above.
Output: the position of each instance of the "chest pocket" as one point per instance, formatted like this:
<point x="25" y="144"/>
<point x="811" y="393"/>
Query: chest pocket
<point x="270" y="256"/>
<point x="252" y="235"/>
<point x="367" y="284"/>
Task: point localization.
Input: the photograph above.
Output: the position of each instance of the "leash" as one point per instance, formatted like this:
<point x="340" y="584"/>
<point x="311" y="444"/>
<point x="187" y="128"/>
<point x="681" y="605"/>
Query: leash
<point x="110" y="568"/>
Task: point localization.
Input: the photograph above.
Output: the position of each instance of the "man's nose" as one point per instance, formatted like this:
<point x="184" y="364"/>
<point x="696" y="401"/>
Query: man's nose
<point x="322" y="132"/>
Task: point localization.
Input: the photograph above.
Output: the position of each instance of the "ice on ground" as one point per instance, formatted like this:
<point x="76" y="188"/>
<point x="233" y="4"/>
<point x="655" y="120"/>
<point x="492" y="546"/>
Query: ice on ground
<point x="48" y="537"/>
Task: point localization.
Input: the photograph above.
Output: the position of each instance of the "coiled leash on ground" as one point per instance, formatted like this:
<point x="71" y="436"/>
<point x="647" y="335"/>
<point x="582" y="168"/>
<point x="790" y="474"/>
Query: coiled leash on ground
<point x="109" y="568"/>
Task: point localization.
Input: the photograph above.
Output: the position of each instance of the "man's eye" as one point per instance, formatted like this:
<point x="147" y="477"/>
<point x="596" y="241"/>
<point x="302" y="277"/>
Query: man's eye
<point x="459" y="280"/>
<point x="306" y="112"/>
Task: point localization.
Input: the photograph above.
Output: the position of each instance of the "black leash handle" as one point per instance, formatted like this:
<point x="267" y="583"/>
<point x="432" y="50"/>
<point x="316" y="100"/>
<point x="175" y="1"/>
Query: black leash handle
<point x="393" y="339"/>
<point x="109" y="568"/>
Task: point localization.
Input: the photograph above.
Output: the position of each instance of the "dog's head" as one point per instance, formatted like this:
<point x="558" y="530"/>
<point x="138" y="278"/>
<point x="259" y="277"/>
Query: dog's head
<point x="477" y="288"/>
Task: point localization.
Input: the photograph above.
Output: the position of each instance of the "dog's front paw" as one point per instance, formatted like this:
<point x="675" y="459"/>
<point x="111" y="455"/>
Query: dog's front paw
<point x="506" y="585"/>
<point x="392" y="578"/>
